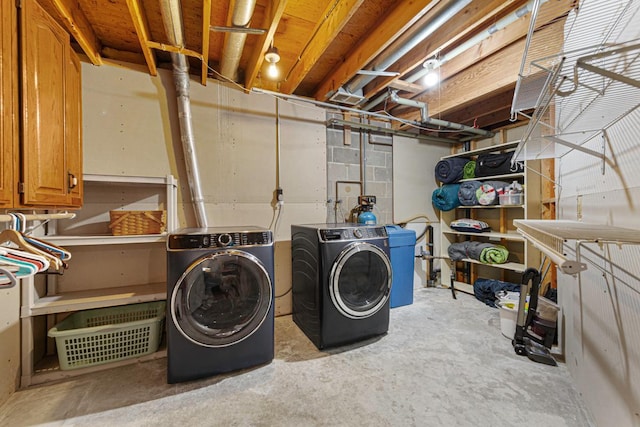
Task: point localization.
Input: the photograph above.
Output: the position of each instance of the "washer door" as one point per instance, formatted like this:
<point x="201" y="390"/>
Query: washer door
<point x="360" y="281"/>
<point x="222" y="299"/>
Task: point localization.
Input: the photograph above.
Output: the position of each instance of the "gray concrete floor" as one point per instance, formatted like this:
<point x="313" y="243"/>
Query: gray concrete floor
<point x="444" y="362"/>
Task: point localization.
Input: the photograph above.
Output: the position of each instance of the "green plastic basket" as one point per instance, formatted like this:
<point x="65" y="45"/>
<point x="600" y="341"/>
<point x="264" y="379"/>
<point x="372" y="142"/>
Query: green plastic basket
<point x="93" y="337"/>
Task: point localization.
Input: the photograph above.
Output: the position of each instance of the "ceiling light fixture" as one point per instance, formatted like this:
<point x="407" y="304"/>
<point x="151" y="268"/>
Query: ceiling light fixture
<point x="432" y="77"/>
<point x="272" y="56"/>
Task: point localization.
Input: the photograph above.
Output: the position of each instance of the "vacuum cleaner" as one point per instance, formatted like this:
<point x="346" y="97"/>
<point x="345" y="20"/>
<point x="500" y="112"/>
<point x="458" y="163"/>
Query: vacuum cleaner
<point x="525" y="342"/>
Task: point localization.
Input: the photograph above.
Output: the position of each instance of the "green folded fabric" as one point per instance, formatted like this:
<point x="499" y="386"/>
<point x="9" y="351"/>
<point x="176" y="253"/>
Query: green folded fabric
<point x="469" y="170"/>
<point x="495" y="255"/>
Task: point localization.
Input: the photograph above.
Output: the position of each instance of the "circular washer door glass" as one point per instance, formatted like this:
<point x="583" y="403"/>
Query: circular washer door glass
<point x="360" y="281"/>
<point x="222" y="299"/>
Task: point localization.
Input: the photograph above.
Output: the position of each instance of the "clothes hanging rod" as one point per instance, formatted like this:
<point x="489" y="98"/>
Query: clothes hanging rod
<point x="39" y="217"/>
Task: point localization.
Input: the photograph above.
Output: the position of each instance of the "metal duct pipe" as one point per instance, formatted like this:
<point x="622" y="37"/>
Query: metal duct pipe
<point x="384" y="61"/>
<point x="172" y="18"/>
<point x="234" y="42"/>
<point x="424" y="115"/>
<point x="473" y="41"/>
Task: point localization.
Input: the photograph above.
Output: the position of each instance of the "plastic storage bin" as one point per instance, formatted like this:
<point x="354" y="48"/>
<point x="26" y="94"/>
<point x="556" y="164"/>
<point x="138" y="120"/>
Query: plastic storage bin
<point x="402" y="244"/>
<point x="93" y="337"/>
<point x="511" y="199"/>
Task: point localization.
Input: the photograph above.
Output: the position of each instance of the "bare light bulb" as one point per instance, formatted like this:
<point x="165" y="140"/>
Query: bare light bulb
<point x="272" y="70"/>
<point x="431" y="79"/>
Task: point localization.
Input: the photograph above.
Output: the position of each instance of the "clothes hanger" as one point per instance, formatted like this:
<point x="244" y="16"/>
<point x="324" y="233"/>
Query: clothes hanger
<point x="7" y="279"/>
<point x="15" y="237"/>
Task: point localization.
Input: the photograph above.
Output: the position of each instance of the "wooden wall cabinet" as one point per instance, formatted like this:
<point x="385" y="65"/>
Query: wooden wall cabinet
<point x="47" y="159"/>
<point x="8" y="102"/>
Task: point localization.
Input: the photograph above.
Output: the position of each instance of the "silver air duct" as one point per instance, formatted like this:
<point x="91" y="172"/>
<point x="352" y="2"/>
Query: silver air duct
<point x="234" y="42"/>
<point x="172" y="18"/>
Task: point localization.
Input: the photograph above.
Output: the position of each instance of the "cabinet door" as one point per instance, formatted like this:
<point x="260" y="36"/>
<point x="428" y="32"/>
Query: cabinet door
<point x="8" y="99"/>
<point x="73" y="128"/>
<point x="45" y="54"/>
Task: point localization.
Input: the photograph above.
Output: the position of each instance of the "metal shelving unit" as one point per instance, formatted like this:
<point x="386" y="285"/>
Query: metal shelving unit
<point x="571" y="83"/>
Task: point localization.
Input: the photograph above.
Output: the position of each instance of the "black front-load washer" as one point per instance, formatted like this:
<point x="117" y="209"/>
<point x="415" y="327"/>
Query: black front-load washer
<point x="220" y="298"/>
<point x="341" y="282"/>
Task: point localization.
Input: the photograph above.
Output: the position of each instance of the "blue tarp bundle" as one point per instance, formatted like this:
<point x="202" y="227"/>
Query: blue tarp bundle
<point x="445" y="198"/>
<point x="485" y="289"/>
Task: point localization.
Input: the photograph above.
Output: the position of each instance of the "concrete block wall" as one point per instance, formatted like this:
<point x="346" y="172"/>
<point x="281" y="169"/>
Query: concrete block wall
<point x="365" y="166"/>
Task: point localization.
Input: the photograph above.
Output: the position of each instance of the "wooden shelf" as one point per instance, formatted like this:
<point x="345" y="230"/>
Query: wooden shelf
<point x="491" y="207"/>
<point x="516" y="237"/>
<point x="491" y="149"/>
<point x="494" y="177"/>
<point x="96" y="298"/>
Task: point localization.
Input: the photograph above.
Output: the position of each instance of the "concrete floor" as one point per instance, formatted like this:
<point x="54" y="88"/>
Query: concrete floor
<point x="444" y="362"/>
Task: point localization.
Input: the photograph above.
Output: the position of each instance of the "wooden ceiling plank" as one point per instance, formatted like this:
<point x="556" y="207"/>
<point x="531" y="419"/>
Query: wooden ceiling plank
<point x="405" y="14"/>
<point x="551" y="10"/>
<point x="474" y="16"/>
<point x="272" y="18"/>
<point x="406" y="86"/>
<point x="142" y="30"/>
<point x="489" y="76"/>
<point x="322" y="36"/>
<point x="206" y="23"/>
<point x="80" y="28"/>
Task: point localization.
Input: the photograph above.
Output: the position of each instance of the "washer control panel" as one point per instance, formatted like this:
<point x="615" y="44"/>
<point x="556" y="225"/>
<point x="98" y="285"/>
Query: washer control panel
<point x="220" y="240"/>
<point x="351" y="233"/>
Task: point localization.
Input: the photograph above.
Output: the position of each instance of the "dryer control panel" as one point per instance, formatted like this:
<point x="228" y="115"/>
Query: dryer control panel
<point x="232" y="239"/>
<point x="351" y="233"/>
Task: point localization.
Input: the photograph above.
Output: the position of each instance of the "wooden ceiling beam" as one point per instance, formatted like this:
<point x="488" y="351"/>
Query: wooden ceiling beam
<point x="401" y="18"/>
<point x="469" y="20"/>
<point x="142" y="30"/>
<point x="206" y="23"/>
<point x="77" y="24"/>
<point x="272" y="17"/>
<point x="486" y="77"/>
<point x="322" y="36"/>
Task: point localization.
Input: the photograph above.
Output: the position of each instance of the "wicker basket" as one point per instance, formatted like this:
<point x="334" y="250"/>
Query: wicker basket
<point x="125" y="223"/>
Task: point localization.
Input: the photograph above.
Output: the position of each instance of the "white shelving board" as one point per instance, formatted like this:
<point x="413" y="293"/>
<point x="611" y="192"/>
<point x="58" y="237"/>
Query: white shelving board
<point x="549" y="236"/>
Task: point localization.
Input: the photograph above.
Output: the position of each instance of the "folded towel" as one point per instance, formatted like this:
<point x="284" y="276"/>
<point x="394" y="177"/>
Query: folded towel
<point x="450" y="170"/>
<point x="445" y="198"/>
<point x="469" y="170"/>
<point x="467" y="193"/>
<point x="496" y="255"/>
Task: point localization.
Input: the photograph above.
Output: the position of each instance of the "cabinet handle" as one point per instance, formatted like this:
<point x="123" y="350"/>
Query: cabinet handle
<point x="73" y="181"/>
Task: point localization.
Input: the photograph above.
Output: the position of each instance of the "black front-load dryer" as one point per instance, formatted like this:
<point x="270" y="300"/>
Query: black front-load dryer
<point x="341" y="282"/>
<point x="220" y="298"/>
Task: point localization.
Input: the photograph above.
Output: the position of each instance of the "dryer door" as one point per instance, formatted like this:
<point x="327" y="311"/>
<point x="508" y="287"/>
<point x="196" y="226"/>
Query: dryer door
<point x="360" y="281"/>
<point x="222" y="299"/>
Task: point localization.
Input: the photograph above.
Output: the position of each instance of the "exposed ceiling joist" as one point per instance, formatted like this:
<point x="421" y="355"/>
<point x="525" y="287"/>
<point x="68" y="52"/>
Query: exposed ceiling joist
<point x="206" y="23"/>
<point x="323" y="35"/>
<point x="470" y="19"/>
<point x="271" y="20"/>
<point x="142" y="30"/>
<point x="402" y="17"/>
<point x="80" y="28"/>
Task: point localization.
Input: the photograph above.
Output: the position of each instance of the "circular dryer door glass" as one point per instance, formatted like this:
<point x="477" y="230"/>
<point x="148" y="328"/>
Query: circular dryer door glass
<point x="222" y="299"/>
<point x="360" y="280"/>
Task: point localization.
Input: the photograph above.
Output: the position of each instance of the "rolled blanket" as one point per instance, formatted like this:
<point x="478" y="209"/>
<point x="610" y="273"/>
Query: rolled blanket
<point x="445" y="198"/>
<point x="450" y="170"/>
<point x="467" y="193"/>
<point x="488" y="193"/>
<point x="469" y="170"/>
<point x="467" y="249"/>
<point x="496" y="255"/>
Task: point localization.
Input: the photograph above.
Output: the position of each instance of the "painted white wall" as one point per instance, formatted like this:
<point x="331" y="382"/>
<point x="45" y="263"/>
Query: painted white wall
<point x="131" y="128"/>
<point x="413" y="182"/>
<point x="601" y="305"/>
